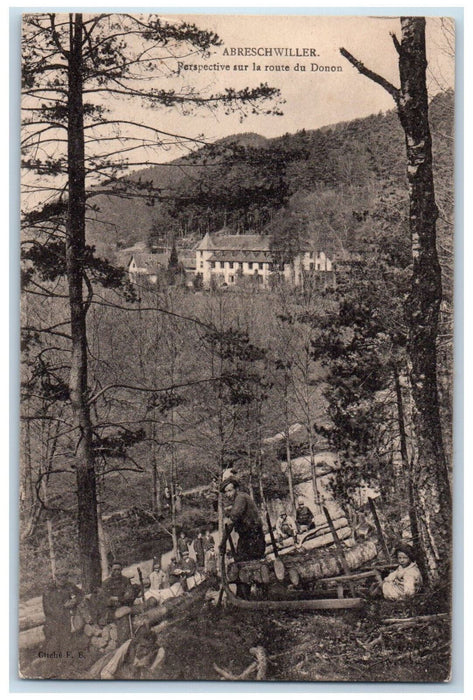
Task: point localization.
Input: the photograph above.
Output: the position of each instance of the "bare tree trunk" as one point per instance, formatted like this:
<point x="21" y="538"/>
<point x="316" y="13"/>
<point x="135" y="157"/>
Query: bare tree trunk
<point x="89" y="556"/>
<point x="156" y="492"/>
<point x="288" y="444"/>
<point x="250" y="480"/>
<point x="405" y="458"/>
<point x="290" y="482"/>
<point x="430" y="475"/>
<point x="313" y="472"/>
<point x="102" y="543"/>
<point x="52" y="553"/>
<point x="49" y="529"/>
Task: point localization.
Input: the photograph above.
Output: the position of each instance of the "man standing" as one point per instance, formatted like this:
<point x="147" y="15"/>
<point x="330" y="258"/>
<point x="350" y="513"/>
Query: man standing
<point x="245" y="519"/>
<point x="182" y="545"/>
<point x="60" y="600"/>
<point x="198" y="545"/>
<point x="209" y="553"/>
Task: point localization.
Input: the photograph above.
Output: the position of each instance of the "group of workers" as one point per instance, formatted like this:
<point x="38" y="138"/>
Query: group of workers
<point x="286" y="526"/>
<point x="243" y="516"/>
<point x="62" y="599"/>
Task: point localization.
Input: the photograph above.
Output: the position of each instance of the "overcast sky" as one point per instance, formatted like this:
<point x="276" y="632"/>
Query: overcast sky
<point x="313" y="98"/>
<point x="330" y="90"/>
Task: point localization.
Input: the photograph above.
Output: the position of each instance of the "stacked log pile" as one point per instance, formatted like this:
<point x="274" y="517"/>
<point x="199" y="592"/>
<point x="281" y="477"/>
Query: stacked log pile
<point x="303" y="568"/>
<point x="316" y="538"/>
<point x="103" y="638"/>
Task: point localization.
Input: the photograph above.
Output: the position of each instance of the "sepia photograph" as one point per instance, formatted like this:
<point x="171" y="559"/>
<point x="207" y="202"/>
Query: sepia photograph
<point x="237" y="284"/>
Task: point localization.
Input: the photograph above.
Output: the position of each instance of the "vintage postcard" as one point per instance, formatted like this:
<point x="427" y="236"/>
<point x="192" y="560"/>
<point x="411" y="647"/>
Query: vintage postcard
<point x="237" y="340"/>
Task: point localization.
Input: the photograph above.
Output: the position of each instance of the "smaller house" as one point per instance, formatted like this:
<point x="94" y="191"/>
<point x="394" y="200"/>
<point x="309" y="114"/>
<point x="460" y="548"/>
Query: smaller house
<point x="147" y="266"/>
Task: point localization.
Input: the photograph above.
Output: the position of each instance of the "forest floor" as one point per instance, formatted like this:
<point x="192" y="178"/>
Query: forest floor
<point x="351" y="645"/>
<point x="341" y="646"/>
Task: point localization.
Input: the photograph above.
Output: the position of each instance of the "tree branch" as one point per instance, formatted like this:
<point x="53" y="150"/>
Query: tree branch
<point x="396" y="43"/>
<point x="361" y="68"/>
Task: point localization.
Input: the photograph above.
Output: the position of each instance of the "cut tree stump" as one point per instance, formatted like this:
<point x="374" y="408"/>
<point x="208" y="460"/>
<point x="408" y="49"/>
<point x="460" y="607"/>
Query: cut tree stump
<point x="256" y="571"/>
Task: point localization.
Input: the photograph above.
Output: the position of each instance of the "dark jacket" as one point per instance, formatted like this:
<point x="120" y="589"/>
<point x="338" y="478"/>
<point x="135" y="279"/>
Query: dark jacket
<point x="304" y="516"/>
<point x="247" y="523"/>
<point x="183" y="546"/>
<point x="244" y="514"/>
<point x="198" y="545"/>
<point x="54" y="599"/>
<point x="119" y="587"/>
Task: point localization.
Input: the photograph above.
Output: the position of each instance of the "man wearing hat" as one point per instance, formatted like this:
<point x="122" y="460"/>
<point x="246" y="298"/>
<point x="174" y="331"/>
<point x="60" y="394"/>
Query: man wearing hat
<point x="116" y="590"/>
<point x="304" y="516"/>
<point x="245" y="519"/>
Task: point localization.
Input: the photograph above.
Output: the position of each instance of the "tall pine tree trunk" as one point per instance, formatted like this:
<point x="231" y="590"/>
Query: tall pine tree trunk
<point x="430" y="477"/>
<point x="75" y="249"/>
<point x="431" y="487"/>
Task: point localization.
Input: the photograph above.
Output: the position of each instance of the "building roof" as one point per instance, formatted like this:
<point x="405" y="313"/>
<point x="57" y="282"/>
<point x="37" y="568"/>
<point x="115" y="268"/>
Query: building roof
<point x="241" y="256"/>
<point x="220" y="241"/>
<point x="150" y="261"/>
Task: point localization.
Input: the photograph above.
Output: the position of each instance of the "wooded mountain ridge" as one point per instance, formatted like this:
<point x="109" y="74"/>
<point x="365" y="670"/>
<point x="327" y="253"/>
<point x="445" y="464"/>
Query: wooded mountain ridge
<point x="243" y="181"/>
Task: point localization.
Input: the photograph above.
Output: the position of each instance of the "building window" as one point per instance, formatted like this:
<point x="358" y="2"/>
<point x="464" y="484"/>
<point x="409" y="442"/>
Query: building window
<point x="212" y="265"/>
<point x="311" y="266"/>
<point x="250" y="265"/>
<point x="311" y="254"/>
<point x="260" y="265"/>
<point x="231" y="278"/>
<point x="318" y="266"/>
<point x="230" y="265"/>
<point x="201" y="263"/>
<point x="221" y="265"/>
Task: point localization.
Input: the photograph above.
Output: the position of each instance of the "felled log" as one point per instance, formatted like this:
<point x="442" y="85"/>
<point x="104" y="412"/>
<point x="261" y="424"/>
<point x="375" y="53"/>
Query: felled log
<point x="320" y="520"/>
<point x="28" y="639"/>
<point x="309" y="567"/>
<point x="316" y="543"/>
<point x="256" y="571"/>
<point x="172" y="606"/>
<point x="318" y="531"/>
<point x="31" y="620"/>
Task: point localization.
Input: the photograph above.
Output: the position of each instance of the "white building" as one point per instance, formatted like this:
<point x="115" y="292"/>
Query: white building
<point x="227" y="258"/>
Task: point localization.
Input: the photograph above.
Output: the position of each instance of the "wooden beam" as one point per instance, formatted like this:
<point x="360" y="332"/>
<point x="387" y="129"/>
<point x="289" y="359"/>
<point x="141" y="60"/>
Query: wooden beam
<point x="339" y="548"/>
<point x="379" y="530"/>
<point x="315" y="604"/>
